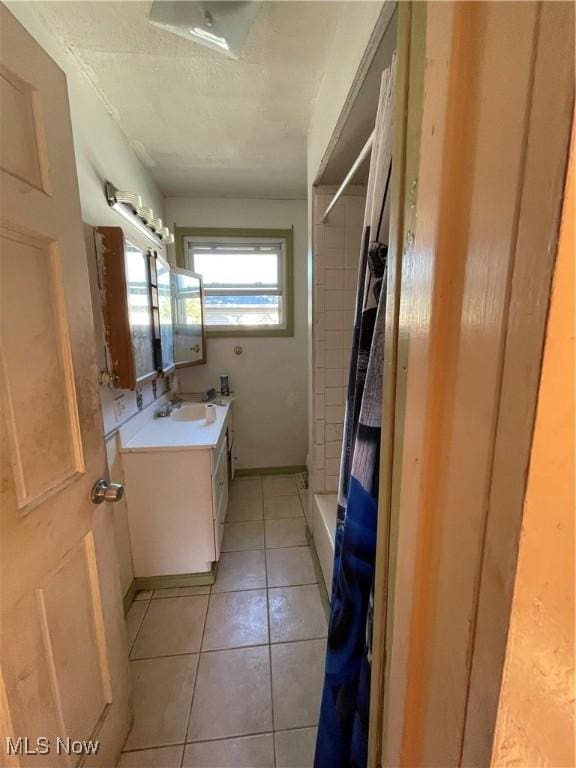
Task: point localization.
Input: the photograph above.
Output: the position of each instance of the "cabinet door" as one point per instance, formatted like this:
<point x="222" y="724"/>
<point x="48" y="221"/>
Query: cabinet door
<point x="188" y="313"/>
<point x="126" y="304"/>
<point x="220" y="506"/>
<point x="164" y="299"/>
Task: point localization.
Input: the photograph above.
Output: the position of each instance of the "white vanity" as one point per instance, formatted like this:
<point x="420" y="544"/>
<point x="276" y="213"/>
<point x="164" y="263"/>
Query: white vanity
<point x="176" y="479"/>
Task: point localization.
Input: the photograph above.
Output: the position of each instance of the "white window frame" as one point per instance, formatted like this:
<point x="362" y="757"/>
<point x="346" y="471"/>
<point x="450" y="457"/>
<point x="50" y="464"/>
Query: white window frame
<point x="212" y="238"/>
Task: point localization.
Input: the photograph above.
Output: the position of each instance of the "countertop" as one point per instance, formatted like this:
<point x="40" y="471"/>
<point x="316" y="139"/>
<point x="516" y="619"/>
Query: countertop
<point x="165" y="434"/>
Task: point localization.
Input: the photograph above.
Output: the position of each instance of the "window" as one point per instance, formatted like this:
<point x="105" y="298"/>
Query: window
<point x="247" y="278"/>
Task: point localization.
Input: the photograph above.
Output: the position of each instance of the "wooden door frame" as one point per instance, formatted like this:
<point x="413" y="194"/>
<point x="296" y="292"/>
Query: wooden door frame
<point x="406" y="727"/>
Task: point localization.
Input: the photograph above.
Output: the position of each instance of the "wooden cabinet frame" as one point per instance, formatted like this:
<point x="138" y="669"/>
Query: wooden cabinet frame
<point x="110" y="252"/>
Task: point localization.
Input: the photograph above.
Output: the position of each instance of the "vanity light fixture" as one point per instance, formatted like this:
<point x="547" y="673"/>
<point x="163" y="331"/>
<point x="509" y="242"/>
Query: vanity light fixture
<point x="145" y="213"/>
<point x="129" y="206"/>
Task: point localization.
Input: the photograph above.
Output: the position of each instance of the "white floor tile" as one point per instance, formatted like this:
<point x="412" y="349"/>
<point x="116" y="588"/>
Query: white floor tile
<point x="285" y="533"/>
<point x="134" y="620"/>
<point x="180" y="592"/>
<point x="279" y="485"/>
<point x="296" y="613"/>
<point x="243" y="510"/>
<point x="172" y="626"/>
<point x="277" y="507"/>
<point x="232" y="694"/>
<point x="242" y="536"/>
<point x="295" y="749"/>
<point x="240" y="570"/>
<point x="244" y="752"/>
<point x="236" y="619"/>
<point x="162" y="691"/>
<point x="297" y="677"/>
<point x="289" y="567"/>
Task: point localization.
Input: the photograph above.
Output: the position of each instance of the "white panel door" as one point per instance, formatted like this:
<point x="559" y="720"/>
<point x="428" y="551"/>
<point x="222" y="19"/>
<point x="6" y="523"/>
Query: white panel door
<point x="64" y="666"/>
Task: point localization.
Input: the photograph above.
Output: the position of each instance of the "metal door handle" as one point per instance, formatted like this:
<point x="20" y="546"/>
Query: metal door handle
<point x="105" y="491"/>
<point x="195" y="348"/>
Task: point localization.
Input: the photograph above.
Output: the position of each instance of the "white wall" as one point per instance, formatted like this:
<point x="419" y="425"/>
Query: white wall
<point x="102" y="153"/>
<point x="351" y="36"/>
<point x="270" y="377"/>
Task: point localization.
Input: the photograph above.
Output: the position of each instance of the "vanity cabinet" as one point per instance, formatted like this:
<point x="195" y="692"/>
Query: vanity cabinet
<point x="177" y="497"/>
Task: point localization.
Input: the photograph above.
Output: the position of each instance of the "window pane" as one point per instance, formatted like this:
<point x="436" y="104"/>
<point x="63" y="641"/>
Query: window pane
<point x="237" y="269"/>
<point x="250" y="310"/>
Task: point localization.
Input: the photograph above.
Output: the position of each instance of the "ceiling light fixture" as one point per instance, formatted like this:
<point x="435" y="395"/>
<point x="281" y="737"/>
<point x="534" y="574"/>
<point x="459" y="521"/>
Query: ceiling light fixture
<point x="222" y="26"/>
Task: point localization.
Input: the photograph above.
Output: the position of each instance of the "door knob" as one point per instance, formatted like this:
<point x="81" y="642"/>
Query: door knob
<point x="105" y="491"/>
<point x="195" y="348"/>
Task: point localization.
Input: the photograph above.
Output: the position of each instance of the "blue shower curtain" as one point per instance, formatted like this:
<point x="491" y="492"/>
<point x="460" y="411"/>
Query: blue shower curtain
<point x="343" y="727"/>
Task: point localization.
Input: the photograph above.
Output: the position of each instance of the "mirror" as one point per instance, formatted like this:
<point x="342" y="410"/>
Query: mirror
<point x="188" y="318"/>
<point x="139" y="312"/>
<point x="165" y="314"/>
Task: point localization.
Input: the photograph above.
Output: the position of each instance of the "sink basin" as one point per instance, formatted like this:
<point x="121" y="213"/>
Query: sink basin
<point x="193" y="412"/>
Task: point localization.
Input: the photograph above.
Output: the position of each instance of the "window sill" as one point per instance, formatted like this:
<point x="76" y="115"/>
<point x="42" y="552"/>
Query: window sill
<point x="239" y="333"/>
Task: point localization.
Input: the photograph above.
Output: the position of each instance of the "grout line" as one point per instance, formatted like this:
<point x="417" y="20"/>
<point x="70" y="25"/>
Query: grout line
<point x="270" y="656"/>
<point x="254" y="645"/>
<point x="271" y="586"/>
<point x="195" y="679"/>
<point x="232" y="648"/>
<point x="223" y="738"/>
<point x="139" y="628"/>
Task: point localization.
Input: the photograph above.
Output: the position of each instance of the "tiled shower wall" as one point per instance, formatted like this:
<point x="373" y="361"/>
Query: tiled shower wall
<point x="336" y="253"/>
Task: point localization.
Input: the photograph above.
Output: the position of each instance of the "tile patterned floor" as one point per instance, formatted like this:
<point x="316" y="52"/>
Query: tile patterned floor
<point x="230" y="676"/>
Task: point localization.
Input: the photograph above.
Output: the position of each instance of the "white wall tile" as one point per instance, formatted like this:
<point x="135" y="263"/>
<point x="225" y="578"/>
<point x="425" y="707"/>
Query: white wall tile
<point x="351" y="279"/>
<point x="334" y="258"/>
<point x="333" y="432"/>
<point x="334" y="279"/>
<point x="334" y="414"/>
<point x="334" y="358"/>
<point x="335" y="395"/>
<point x="348" y="299"/>
<point x="332" y="466"/>
<point x="334" y="300"/>
<point x="333" y="450"/>
<point x="335" y="340"/>
<point x="333" y="378"/>
<point x="319" y="302"/>
<point x="331" y="482"/>
<point x="337" y="249"/>
<point x="334" y="320"/>
<point x="318" y="481"/>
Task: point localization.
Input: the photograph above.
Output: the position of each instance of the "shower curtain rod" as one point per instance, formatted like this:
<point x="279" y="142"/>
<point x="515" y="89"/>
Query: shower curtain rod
<point x="364" y="152"/>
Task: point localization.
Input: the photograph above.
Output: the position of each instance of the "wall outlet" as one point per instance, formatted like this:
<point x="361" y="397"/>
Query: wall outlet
<point x="119" y="408"/>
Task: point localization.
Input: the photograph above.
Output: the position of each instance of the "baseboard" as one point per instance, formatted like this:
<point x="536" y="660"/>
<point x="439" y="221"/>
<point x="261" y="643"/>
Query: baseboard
<point x="129" y="596"/>
<point x="252" y="471"/>
<point x="175" y="580"/>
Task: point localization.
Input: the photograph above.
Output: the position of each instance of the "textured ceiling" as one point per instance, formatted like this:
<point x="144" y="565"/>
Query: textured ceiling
<point x="206" y="125"/>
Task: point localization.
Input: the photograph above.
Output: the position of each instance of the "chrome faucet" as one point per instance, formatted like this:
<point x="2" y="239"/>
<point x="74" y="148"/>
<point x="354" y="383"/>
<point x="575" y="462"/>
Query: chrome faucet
<point x="166" y="410"/>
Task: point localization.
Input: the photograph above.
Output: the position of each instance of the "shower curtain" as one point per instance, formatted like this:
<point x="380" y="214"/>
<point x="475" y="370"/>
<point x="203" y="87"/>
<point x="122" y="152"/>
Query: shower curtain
<point x="344" y="715"/>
